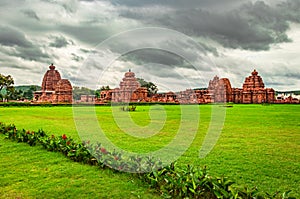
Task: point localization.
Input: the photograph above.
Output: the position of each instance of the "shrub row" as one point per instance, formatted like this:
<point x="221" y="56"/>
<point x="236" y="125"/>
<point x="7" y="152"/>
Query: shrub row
<point x="171" y="181"/>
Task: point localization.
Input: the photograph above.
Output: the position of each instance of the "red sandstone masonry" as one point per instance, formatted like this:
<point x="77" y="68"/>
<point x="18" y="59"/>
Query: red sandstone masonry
<point x="54" y="89"/>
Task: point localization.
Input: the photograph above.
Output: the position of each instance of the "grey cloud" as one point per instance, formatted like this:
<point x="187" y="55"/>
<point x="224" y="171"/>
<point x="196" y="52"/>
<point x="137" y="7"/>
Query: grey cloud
<point x="20" y="46"/>
<point x="76" y="57"/>
<point x="31" y="54"/>
<point x="13" y="37"/>
<point x="59" y="42"/>
<point x="158" y="70"/>
<point x="292" y="75"/>
<point x="88" y="51"/>
<point x="87" y="33"/>
<point x="31" y="14"/>
<point x="27" y="68"/>
<point x="68" y="5"/>
<point x="153" y="56"/>
<point x="84" y="50"/>
<point x="180" y="4"/>
<point x="252" y="26"/>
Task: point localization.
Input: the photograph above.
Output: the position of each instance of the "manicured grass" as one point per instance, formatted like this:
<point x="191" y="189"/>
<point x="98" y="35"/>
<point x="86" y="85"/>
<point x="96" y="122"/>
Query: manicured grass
<point x="32" y="172"/>
<point x="259" y="145"/>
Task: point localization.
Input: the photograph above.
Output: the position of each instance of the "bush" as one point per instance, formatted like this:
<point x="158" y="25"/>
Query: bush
<point x="128" y="108"/>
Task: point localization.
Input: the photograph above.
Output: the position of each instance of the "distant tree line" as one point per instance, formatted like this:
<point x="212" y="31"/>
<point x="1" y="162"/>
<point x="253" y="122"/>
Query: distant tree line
<point x="10" y="92"/>
<point x="78" y="91"/>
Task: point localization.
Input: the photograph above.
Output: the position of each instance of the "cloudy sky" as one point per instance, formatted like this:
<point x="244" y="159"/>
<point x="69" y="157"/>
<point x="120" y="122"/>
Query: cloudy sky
<point x="174" y="43"/>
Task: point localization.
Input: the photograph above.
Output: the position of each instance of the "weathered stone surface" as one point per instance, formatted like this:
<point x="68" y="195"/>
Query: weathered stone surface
<point x="254" y="91"/>
<point x="130" y="90"/>
<point x="63" y="91"/>
<point x="50" y="79"/>
<point x="219" y="90"/>
<point x="54" y="89"/>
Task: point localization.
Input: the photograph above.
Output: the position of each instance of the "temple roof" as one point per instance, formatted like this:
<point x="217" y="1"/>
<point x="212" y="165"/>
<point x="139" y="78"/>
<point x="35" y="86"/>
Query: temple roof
<point x="50" y="79"/>
<point x="253" y="82"/>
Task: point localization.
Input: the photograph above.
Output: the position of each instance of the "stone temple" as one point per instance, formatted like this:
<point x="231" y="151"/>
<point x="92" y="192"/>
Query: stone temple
<point x="54" y="88"/>
<point x="130" y="90"/>
<point x="253" y="91"/>
<point x="219" y="90"/>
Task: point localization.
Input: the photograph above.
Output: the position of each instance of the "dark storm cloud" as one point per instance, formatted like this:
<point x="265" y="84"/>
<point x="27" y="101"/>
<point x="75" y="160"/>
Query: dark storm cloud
<point x="31" y="54"/>
<point x="21" y="67"/>
<point x="290" y="10"/>
<point x="179" y="3"/>
<point x="21" y="46"/>
<point x="60" y="41"/>
<point x="292" y="75"/>
<point x="159" y="70"/>
<point x="252" y="26"/>
<point x="12" y="37"/>
<point x="153" y="56"/>
<point x="30" y="14"/>
<point x="86" y="33"/>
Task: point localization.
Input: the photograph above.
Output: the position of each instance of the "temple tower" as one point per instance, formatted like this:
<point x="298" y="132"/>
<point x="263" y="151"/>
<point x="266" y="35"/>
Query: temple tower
<point x="130" y="90"/>
<point x="50" y="79"/>
<point x="54" y="88"/>
<point x="254" y="90"/>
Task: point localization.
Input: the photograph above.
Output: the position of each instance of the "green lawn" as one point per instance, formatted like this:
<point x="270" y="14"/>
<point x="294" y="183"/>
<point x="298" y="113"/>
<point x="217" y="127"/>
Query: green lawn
<point x="32" y="172"/>
<point x="259" y="145"/>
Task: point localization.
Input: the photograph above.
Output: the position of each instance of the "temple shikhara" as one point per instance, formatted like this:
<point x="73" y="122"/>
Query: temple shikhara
<point x="54" y="88"/>
<point x="219" y="90"/>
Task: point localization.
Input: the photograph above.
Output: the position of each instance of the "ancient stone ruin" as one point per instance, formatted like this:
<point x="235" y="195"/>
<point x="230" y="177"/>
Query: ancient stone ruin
<point x="54" y="89"/>
<point x="253" y="91"/>
<point x="130" y="90"/>
<point x="219" y="90"/>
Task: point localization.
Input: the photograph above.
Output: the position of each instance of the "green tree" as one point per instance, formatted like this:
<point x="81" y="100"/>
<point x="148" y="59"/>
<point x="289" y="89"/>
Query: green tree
<point x="104" y="88"/>
<point x="17" y="95"/>
<point x="6" y="87"/>
<point x="78" y="91"/>
<point x="151" y="87"/>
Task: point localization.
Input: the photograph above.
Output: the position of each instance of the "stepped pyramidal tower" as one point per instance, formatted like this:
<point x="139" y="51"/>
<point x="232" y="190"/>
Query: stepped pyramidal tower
<point x="130" y="90"/>
<point x="253" y="91"/>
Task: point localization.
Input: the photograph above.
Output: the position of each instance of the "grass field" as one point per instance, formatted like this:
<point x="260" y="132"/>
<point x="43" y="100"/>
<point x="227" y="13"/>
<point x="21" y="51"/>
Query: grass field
<point x="259" y="146"/>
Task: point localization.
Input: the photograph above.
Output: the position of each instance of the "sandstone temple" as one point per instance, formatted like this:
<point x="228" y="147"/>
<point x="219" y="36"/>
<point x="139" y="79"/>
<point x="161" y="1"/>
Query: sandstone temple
<point x="219" y="90"/>
<point x="54" y="88"/>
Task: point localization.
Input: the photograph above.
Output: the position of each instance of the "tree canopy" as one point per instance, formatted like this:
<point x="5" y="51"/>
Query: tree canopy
<point x="151" y="87"/>
<point x="78" y="91"/>
<point x="6" y="86"/>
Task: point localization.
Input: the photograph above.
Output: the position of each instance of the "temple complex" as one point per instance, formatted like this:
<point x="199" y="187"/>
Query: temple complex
<point x="219" y="90"/>
<point x="253" y="91"/>
<point x="54" y="89"/>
